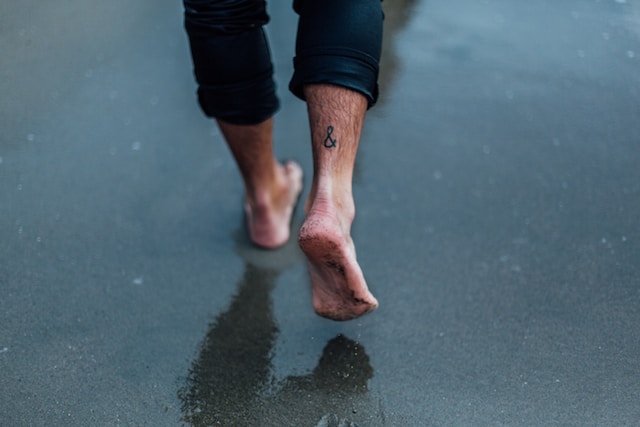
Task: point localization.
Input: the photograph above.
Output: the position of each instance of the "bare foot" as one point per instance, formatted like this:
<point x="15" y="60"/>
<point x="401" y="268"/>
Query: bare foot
<point x="337" y="283"/>
<point x="269" y="219"/>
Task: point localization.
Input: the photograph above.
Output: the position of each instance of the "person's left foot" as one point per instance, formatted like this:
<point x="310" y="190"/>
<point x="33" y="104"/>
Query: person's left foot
<point x="269" y="222"/>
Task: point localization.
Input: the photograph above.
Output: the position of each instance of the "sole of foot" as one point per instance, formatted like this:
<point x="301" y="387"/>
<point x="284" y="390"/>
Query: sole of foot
<point x="338" y="286"/>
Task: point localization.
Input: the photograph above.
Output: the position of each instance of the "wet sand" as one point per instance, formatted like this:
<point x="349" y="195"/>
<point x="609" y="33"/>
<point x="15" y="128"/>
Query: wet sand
<point x="497" y="202"/>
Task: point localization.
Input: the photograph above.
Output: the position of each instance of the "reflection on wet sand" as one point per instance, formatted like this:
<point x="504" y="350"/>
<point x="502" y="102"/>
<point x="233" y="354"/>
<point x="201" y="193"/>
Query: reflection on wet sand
<point x="335" y="393"/>
<point x="230" y="383"/>
<point x="225" y="381"/>
<point x="396" y="16"/>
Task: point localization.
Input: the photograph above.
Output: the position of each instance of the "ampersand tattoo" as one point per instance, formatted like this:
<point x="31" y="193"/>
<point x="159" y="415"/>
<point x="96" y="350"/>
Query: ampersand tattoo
<point x="328" y="141"/>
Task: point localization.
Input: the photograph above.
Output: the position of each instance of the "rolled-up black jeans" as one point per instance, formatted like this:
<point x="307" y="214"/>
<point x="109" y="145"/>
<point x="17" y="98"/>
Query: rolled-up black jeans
<point x="338" y="42"/>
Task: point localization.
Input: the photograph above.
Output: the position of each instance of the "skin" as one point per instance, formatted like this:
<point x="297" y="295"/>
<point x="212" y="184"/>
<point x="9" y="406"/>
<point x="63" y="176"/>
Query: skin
<point x="271" y="188"/>
<point x="336" y="118"/>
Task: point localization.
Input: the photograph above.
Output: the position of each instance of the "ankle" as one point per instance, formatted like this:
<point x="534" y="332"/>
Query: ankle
<point x="337" y="202"/>
<point x="265" y="189"/>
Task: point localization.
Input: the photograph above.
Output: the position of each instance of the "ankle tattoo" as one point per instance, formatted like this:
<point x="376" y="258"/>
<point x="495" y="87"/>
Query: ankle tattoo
<point x="328" y="141"/>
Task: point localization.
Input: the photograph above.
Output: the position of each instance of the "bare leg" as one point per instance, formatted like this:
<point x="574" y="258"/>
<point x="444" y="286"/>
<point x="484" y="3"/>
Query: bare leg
<point x="336" y="117"/>
<point x="272" y="189"/>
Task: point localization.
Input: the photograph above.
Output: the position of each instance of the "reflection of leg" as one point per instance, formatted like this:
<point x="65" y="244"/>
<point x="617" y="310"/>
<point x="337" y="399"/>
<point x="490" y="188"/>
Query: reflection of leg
<point x="344" y="365"/>
<point x="272" y="189"/>
<point x="335" y="393"/>
<point x="234" y="363"/>
<point x="339" y="289"/>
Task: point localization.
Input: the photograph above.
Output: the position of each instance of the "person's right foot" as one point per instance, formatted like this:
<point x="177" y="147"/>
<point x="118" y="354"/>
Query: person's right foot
<point x="337" y="283"/>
